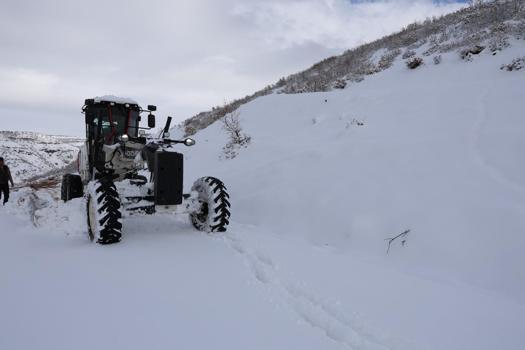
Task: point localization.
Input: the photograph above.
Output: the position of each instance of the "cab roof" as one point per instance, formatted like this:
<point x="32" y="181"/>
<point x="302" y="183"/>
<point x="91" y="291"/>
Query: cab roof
<point x="116" y="99"/>
<point x="110" y="99"/>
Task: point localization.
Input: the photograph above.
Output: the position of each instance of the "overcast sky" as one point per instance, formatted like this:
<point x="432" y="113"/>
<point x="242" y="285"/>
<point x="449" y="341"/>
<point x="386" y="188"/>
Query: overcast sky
<point x="184" y="56"/>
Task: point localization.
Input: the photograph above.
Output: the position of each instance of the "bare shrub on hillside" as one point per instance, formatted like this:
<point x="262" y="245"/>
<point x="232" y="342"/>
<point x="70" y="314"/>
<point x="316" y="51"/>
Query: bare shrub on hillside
<point x="415" y="62"/>
<point x="402" y="237"/>
<point x="340" y="84"/>
<point x="204" y="119"/>
<point x="516" y="64"/>
<point x="498" y="43"/>
<point x="387" y="59"/>
<point x="237" y="138"/>
<point x="466" y="54"/>
<point x="408" y="54"/>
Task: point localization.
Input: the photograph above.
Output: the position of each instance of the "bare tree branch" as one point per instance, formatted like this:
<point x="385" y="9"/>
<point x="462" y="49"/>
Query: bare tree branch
<point x="232" y="125"/>
<point x="401" y="235"/>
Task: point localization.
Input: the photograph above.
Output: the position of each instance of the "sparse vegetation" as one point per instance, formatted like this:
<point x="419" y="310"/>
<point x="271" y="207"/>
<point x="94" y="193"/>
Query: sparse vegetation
<point x="516" y="64"/>
<point x="414" y="62"/>
<point x="403" y="237"/>
<point x="340" y="84"/>
<point x="408" y="54"/>
<point x="498" y="43"/>
<point x="466" y="54"/>
<point x="357" y="122"/>
<point x="237" y="138"/>
<point x="387" y="59"/>
<point x="464" y="31"/>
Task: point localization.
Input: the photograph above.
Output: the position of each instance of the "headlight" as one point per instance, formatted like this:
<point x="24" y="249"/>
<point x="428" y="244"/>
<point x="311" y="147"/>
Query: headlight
<point x="189" y="142"/>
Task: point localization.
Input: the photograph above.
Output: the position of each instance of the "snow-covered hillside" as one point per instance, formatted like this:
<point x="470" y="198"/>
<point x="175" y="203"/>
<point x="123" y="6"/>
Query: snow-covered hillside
<point x="439" y="153"/>
<point x="432" y="155"/>
<point x="487" y="26"/>
<point x="31" y="154"/>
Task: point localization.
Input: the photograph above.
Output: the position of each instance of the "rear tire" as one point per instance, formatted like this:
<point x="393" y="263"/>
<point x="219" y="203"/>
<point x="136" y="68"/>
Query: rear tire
<point x="72" y="187"/>
<point x="103" y="212"/>
<point x="214" y="214"/>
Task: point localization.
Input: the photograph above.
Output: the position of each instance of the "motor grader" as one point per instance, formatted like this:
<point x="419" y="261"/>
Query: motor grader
<point x="122" y="169"/>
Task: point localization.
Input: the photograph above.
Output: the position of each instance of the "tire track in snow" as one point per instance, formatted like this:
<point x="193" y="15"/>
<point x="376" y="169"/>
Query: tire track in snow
<point x="349" y="332"/>
<point x="35" y="204"/>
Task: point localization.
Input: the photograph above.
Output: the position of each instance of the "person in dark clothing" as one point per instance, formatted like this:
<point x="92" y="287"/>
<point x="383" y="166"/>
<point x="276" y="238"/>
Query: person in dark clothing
<point x="5" y="178"/>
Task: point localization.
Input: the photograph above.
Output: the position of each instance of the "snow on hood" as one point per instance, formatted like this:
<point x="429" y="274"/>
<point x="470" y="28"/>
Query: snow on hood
<point x="116" y="99"/>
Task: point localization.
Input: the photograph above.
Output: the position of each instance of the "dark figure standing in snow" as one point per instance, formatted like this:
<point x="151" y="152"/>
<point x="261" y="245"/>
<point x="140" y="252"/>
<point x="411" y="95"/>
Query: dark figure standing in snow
<point x="5" y="178"/>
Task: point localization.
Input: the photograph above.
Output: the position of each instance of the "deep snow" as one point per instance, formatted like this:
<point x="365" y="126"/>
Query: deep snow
<point x="304" y="264"/>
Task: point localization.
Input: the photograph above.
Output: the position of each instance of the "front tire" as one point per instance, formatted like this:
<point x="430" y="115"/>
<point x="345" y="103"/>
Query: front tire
<point x="103" y="212"/>
<point x="214" y="214"/>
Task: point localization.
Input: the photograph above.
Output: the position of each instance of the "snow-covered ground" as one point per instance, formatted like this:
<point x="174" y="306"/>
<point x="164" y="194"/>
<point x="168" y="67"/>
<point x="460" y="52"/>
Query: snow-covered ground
<point x="305" y="264"/>
<point x="440" y="154"/>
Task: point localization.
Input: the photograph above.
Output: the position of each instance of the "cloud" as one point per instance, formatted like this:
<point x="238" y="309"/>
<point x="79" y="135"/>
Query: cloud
<point x="25" y="86"/>
<point x="336" y="24"/>
<point x="185" y="56"/>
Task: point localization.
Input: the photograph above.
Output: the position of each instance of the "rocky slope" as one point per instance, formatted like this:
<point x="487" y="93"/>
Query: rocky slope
<point x="31" y="154"/>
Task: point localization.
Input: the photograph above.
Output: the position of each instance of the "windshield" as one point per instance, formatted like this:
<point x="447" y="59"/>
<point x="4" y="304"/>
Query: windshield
<point x="114" y="121"/>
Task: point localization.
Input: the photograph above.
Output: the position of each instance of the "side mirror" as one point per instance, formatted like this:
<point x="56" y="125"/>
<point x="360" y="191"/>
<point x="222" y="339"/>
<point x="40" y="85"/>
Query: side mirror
<point x="189" y="142"/>
<point x="152" y="108"/>
<point x="151" y="121"/>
